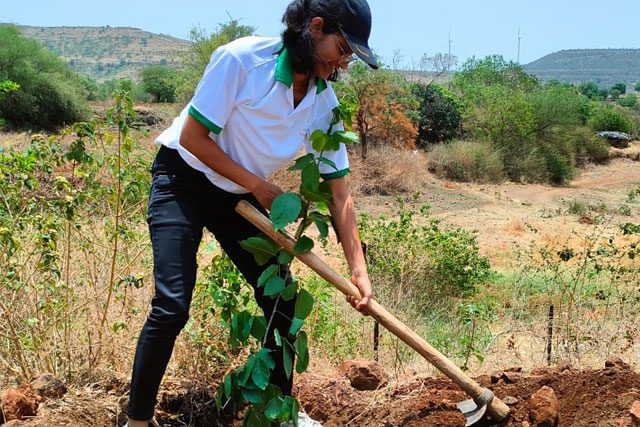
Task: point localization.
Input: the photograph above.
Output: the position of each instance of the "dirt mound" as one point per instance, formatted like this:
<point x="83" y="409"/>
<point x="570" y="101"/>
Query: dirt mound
<point x="585" y="398"/>
<point x="606" y="397"/>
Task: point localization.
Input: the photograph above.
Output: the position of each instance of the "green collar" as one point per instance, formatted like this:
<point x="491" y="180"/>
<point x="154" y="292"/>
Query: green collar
<point x="284" y="72"/>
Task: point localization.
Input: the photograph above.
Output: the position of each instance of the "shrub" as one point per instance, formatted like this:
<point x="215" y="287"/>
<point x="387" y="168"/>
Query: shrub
<point x="607" y="118"/>
<point x="49" y="95"/>
<point x="421" y="267"/>
<point x="637" y="88"/>
<point x="160" y="83"/>
<point x="629" y="101"/>
<point x="592" y="91"/>
<point x="621" y="87"/>
<point x="467" y="161"/>
<point x="440" y="117"/>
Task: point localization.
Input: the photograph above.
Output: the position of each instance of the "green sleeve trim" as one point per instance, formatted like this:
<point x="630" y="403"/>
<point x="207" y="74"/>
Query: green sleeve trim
<point x="204" y="121"/>
<point x="336" y="174"/>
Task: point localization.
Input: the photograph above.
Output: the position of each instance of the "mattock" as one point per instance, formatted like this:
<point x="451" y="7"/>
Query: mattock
<point x="483" y="405"/>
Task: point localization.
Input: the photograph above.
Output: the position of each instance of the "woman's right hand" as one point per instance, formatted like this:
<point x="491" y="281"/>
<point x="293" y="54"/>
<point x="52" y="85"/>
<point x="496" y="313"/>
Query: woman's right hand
<point x="265" y="192"/>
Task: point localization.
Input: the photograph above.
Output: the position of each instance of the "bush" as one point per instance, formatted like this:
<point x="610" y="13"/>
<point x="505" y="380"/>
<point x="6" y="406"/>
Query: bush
<point x="637" y="88"/>
<point x="49" y="95"/>
<point x="607" y="118"/>
<point x="160" y="82"/>
<point x="467" y="161"/>
<point x="621" y="87"/>
<point x="592" y="91"/>
<point x="440" y="117"/>
<point x="629" y="101"/>
<point x="420" y="267"/>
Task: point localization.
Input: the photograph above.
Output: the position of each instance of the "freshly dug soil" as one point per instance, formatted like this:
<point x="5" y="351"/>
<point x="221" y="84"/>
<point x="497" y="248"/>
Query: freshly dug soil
<point x="585" y="398"/>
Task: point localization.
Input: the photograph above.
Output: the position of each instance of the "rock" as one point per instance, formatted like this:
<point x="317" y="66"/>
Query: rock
<point x="16" y="404"/>
<point x="48" y="386"/>
<point x="543" y="406"/>
<point x="617" y="139"/>
<point x="540" y="371"/>
<point x="146" y="117"/>
<point x="566" y="366"/>
<point x="507" y="377"/>
<point x="510" y="400"/>
<point x="616" y="363"/>
<point x="635" y="413"/>
<point x="364" y="375"/>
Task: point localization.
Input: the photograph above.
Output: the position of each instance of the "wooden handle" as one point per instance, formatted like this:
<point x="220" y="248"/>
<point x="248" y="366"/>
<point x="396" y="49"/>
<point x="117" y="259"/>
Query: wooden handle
<point x="497" y="409"/>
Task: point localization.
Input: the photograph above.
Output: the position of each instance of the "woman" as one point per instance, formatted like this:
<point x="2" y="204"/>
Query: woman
<point x="256" y="105"/>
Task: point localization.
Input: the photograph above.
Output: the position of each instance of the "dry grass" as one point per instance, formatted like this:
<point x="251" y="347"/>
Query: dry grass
<point x="387" y="171"/>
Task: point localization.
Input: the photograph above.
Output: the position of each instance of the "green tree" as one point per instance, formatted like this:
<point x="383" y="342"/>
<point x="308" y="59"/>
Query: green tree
<point x="620" y="87"/>
<point x="607" y="118"/>
<point x="49" y="95"/>
<point x="6" y="87"/>
<point x="195" y="61"/>
<point x="592" y="91"/>
<point x="440" y="117"/>
<point x="160" y="82"/>
<point x="637" y="88"/>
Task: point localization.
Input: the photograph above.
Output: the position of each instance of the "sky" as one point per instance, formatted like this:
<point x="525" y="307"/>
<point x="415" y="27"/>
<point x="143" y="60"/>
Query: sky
<point x="411" y="27"/>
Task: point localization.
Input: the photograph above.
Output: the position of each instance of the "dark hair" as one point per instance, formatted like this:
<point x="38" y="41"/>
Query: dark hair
<point x="296" y="38"/>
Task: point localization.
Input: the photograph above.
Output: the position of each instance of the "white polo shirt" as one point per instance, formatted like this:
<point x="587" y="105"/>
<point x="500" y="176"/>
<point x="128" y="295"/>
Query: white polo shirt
<point x="245" y="99"/>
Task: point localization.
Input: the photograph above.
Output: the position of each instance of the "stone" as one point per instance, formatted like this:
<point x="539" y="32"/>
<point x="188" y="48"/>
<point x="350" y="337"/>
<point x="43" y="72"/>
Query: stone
<point x="510" y="400"/>
<point x="364" y="375"/>
<point x="634" y="412"/>
<point x="48" y="386"/>
<point x="543" y="406"/>
<point x="16" y="404"/>
<point x="616" y="363"/>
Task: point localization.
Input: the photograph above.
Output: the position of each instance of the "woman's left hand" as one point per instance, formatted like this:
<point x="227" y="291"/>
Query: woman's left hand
<point x="364" y="285"/>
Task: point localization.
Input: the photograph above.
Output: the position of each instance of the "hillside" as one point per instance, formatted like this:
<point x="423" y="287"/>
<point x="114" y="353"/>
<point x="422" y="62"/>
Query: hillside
<point x="109" y="52"/>
<point x="603" y="66"/>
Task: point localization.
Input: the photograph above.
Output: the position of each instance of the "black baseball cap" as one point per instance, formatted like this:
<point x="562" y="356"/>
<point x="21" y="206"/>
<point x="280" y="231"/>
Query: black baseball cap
<point x="354" y="21"/>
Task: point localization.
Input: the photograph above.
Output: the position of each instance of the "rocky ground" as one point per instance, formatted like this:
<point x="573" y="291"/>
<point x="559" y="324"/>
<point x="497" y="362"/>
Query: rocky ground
<point x="358" y="394"/>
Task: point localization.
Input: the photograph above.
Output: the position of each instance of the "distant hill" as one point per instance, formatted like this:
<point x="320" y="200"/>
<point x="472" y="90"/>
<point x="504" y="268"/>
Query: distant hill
<point x="603" y="66"/>
<point x="109" y="52"/>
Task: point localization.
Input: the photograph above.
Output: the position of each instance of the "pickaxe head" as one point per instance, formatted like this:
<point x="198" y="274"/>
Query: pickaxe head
<point x="475" y="410"/>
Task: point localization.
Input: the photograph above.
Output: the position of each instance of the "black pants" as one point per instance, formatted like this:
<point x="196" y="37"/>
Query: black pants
<point x="183" y="202"/>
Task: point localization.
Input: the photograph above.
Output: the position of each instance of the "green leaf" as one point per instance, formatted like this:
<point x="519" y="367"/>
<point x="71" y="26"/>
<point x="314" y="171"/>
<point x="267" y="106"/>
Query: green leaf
<point x="260" y="375"/>
<point x="244" y="321"/>
<point x="315" y="196"/>
<point x="273" y="410"/>
<point x="303" y="245"/>
<point x="347" y="137"/>
<point x="265" y="357"/>
<point x="259" y="327"/>
<point x="302" y="162"/>
<point x="274" y="286"/>
<point x="246" y="371"/>
<point x="318" y="140"/>
<point x="227" y="385"/>
<point x="263" y="249"/>
<point x="285" y="209"/>
<point x="311" y="177"/>
<point x="284" y="257"/>
<point x="333" y="143"/>
<point x="302" y="350"/>
<point x="254" y="397"/>
<point x="290" y="409"/>
<point x="296" y="324"/>
<point x="267" y="274"/>
<point x="289" y="292"/>
<point x="304" y="304"/>
<point x="276" y="335"/>
<point x="328" y="162"/>
<point x="323" y="228"/>
<point x="287" y="358"/>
